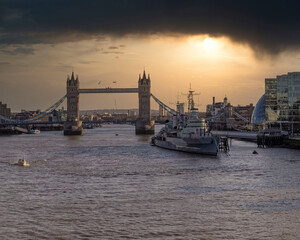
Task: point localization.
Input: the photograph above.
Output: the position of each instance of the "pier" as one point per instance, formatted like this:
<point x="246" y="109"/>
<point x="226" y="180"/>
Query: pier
<point x="11" y="130"/>
<point x="248" y="136"/>
<point x="292" y="142"/>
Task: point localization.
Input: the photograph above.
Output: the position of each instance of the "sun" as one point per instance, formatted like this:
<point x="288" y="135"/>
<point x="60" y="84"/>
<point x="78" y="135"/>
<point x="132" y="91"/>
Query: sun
<point x="208" y="44"/>
<point x="205" y="47"/>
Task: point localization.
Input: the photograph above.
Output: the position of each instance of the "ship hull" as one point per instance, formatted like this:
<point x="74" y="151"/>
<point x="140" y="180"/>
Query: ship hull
<point x="177" y="144"/>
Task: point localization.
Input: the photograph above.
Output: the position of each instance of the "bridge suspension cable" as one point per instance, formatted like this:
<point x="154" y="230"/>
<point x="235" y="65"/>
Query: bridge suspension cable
<point x="214" y="116"/>
<point x="222" y="113"/>
<point x="241" y="117"/>
<point x="37" y="117"/>
<point x="173" y="112"/>
<point x="48" y="110"/>
<point x="164" y="106"/>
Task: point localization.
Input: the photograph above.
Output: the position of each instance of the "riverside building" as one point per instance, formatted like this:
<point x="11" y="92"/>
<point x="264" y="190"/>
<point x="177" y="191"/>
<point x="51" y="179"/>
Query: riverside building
<point x="4" y="111"/>
<point x="282" y="101"/>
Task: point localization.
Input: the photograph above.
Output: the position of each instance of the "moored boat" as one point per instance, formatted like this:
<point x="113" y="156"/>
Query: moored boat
<point x="34" y="131"/>
<point x="192" y="137"/>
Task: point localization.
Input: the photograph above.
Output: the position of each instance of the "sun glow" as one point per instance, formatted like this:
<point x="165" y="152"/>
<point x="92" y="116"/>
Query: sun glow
<point x="208" y="44"/>
<point x="206" y="47"/>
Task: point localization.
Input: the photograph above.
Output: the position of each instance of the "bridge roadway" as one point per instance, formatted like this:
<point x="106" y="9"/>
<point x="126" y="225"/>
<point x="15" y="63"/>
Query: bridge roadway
<point x="250" y="136"/>
<point x="109" y="90"/>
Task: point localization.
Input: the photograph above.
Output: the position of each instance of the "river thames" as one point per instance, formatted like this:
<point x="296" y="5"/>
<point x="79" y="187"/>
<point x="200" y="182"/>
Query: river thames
<point x="108" y="186"/>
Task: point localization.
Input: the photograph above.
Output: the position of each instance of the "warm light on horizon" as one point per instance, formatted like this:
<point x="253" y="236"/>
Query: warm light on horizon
<point x="213" y="65"/>
<point x="205" y="47"/>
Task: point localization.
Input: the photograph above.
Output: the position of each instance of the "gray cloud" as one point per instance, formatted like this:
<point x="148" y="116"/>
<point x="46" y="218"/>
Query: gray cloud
<point x="88" y="62"/>
<point x="267" y="26"/>
<point x="113" y="47"/>
<point x="111" y="52"/>
<point x="18" y="50"/>
<point x="4" y="63"/>
<point x="64" y="66"/>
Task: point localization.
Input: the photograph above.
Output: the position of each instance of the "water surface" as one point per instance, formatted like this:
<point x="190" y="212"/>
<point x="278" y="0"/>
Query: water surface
<point x="103" y="186"/>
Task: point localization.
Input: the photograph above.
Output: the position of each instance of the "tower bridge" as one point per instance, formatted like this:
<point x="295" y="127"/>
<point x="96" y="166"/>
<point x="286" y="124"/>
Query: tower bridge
<point x="144" y="124"/>
<point x="73" y="126"/>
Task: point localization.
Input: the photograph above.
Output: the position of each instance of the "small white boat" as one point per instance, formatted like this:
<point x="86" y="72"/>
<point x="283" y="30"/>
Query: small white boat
<point x="22" y="162"/>
<point x="34" y="131"/>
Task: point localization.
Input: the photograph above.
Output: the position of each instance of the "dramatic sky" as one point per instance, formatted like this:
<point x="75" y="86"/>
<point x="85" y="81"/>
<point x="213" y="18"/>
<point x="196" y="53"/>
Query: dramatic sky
<point x="219" y="47"/>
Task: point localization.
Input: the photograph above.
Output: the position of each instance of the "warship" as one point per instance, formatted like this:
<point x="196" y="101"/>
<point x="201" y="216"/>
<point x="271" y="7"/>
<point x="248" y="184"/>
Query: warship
<point x="187" y="133"/>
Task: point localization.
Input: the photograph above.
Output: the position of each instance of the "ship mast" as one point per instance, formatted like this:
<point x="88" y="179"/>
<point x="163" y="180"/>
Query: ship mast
<point x="190" y="97"/>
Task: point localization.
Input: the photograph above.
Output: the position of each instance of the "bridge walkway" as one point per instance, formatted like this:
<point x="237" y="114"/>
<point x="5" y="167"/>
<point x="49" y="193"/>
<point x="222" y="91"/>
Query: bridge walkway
<point x="250" y="136"/>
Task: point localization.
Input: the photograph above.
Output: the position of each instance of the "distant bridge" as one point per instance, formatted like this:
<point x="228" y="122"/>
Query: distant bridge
<point x="144" y="123"/>
<point x="29" y="123"/>
<point x="35" y="118"/>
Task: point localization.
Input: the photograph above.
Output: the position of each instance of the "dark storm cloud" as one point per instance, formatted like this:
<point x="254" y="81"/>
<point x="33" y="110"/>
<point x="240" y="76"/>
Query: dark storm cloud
<point x="269" y="26"/>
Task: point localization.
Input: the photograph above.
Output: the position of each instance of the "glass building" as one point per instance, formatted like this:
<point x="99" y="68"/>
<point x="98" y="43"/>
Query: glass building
<point x="259" y="115"/>
<point x="283" y="98"/>
<point x="271" y="99"/>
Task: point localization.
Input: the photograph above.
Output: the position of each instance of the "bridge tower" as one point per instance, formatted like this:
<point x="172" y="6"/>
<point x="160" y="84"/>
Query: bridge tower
<point x="73" y="126"/>
<point x="144" y="125"/>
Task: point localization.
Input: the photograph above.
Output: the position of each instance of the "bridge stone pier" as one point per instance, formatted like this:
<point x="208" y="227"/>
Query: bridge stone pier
<point x="73" y="126"/>
<point x="144" y="124"/>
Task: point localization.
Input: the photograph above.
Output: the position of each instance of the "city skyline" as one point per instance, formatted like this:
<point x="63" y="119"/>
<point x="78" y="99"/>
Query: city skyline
<point x="232" y="55"/>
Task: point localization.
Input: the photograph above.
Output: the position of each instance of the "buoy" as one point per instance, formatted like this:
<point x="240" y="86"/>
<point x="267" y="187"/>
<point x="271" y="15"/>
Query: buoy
<point x="117" y="134"/>
<point x="254" y="152"/>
